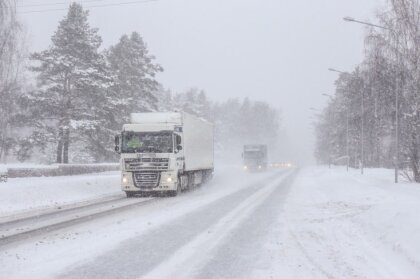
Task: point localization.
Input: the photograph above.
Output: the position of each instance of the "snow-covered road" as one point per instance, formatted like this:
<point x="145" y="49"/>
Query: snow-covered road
<point x="312" y="223"/>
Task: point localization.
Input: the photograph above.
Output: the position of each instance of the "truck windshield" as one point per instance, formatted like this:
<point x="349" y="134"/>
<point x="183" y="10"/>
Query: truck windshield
<point x="253" y="154"/>
<point x="143" y="142"/>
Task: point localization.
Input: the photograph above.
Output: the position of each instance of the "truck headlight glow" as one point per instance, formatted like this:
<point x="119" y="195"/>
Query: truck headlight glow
<point x="124" y="179"/>
<point x="169" y="179"/>
<point x="259" y="167"/>
<point x="245" y="167"/>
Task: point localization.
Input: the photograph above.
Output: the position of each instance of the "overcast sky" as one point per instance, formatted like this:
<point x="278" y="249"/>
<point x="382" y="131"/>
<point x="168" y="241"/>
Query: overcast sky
<point x="271" y="50"/>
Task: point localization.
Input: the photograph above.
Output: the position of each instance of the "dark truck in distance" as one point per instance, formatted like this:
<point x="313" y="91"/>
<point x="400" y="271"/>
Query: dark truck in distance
<point x="255" y="157"/>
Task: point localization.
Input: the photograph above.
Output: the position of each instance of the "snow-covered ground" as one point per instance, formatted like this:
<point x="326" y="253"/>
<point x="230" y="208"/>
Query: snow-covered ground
<point x="4" y="167"/>
<point x="20" y="195"/>
<point x="344" y="225"/>
<point x="315" y="223"/>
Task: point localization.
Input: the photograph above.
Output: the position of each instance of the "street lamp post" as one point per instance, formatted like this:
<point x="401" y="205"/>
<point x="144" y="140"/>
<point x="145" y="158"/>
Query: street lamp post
<point x="397" y="89"/>
<point x="347" y="139"/>
<point x="363" y="131"/>
<point x="362" y="160"/>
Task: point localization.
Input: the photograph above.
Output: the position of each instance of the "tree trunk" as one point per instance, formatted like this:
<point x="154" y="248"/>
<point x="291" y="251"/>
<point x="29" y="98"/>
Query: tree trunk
<point x="2" y="147"/>
<point x="66" y="143"/>
<point x="60" y="146"/>
<point x="415" y="166"/>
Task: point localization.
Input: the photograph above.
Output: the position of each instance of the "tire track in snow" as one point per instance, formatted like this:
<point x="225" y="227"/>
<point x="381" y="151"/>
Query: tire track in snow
<point x="37" y="215"/>
<point x="58" y="208"/>
<point x="28" y="228"/>
<point x="240" y="254"/>
<point x="197" y="252"/>
<point x="140" y="255"/>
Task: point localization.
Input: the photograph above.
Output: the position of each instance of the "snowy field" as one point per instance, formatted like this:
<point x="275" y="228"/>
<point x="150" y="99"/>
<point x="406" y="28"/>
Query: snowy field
<point x="20" y="195"/>
<point x="312" y="223"/>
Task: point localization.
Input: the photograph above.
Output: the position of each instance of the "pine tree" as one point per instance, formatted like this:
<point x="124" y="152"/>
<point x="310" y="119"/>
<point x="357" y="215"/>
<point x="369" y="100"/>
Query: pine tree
<point x="73" y="79"/>
<point x="136" y="86"/>
<point x="164" y="97"/>
<point x="203" y="105"/>
<point x="193" y="101"/>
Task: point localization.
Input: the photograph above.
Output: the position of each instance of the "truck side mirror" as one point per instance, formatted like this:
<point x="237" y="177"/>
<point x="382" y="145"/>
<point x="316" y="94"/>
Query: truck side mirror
<point x="117" y="144"/>
<point x="178" y="140"/>
<point x="179" y="147"/>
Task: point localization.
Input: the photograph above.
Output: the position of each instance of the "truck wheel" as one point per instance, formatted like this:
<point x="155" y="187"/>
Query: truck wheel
<point x="177" y="191"/>
<point x="129" y="194"/>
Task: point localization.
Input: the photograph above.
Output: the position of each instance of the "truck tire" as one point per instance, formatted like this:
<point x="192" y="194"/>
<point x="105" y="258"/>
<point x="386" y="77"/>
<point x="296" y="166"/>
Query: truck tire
<point x="130" y="194"/>
<point x="177" y="191"/>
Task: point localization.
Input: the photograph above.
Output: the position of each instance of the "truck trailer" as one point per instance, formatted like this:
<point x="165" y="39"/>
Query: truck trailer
<point x="255" y="157"/>
<point x="164" y="152"/>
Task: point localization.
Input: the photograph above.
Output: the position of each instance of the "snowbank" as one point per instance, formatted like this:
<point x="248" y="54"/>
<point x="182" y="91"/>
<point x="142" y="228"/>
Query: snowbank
<point x="26" y="194"/>
<point x="34" y="170"/>
<point x="345" y="225"/>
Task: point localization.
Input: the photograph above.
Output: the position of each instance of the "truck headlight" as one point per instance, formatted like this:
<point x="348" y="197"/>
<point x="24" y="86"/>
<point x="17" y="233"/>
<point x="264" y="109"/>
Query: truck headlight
<point x="169" y="179"/>
<point x="259" y="167"/>
<point x="245" y="167"/>
<point x="124" y="179"/>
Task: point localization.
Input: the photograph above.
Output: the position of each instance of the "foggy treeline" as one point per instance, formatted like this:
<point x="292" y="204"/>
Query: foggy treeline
<point x="11" y="57"/>
<point x="237" y="122"/>
<point x="367" y="97"/>
<point x="83" y="95"/>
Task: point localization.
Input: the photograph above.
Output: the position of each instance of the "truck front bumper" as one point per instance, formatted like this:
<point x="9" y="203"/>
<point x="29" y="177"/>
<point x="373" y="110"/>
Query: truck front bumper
<point x="167" y="181"/>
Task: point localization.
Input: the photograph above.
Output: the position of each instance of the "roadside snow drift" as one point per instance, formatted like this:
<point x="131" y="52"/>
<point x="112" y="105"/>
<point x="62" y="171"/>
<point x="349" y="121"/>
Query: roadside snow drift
<point x="21" y="195"/>
<point x="343" y="225"/>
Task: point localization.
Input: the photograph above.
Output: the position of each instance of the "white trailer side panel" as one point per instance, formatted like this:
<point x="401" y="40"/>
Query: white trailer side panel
<point x="198" y="143"/>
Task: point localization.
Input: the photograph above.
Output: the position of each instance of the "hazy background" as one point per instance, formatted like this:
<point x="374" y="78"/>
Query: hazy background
<point x="272" y="50"/>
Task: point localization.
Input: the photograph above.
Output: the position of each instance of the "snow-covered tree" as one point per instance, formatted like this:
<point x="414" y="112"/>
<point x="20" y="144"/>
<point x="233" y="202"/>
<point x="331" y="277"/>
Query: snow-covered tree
<point x="135" y="88"/>
<point x="73" y="80"/>
<point x="164" y="97"/>
<point x="11" y="64"/>
<point x="193" y="101"/>
<point x="404" y="20"/>
<point x="236" y="122"/>
<point x="391" y="68"/>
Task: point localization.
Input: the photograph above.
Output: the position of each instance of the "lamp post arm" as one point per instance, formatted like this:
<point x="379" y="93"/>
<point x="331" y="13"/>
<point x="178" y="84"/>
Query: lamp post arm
<point x="368" y="23"/>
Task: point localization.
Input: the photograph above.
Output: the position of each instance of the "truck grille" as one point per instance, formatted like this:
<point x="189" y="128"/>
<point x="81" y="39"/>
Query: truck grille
<point x="146" y="179"/>
<point x="140" y="164"/>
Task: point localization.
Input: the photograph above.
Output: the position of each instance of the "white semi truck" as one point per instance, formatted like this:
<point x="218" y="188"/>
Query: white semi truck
<point x="255" y="157"/>
<point x="164" y="152"/>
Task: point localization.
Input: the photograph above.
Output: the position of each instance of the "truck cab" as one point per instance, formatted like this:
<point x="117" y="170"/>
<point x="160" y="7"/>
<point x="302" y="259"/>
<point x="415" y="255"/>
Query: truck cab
<point x="255" y="157"/>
